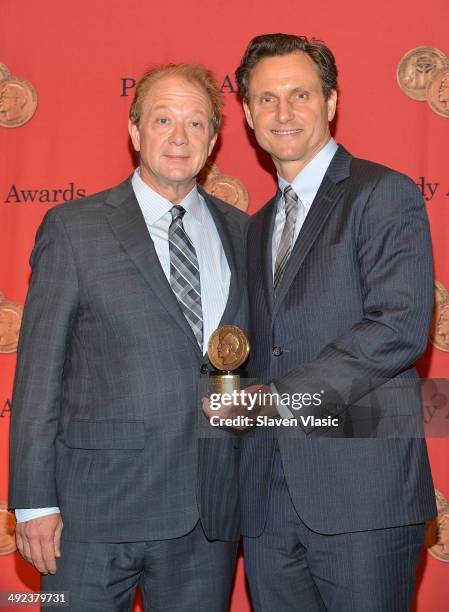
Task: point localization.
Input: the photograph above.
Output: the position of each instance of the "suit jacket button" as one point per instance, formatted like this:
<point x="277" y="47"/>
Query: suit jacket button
<point x="277" y="351"/>
<point x="204" y="369"/>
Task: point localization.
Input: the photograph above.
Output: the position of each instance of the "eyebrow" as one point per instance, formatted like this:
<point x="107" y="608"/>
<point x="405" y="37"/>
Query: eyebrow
<point x="266" y="93"/>
<point x="292" y="91"/>
<point x="166" y="107"/>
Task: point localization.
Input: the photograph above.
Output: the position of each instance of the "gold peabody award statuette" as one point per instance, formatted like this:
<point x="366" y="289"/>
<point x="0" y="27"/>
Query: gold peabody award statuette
<point x="228" y="349"/>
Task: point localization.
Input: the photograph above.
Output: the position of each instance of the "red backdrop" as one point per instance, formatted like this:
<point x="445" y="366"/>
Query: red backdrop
<point x="80" y="57"/>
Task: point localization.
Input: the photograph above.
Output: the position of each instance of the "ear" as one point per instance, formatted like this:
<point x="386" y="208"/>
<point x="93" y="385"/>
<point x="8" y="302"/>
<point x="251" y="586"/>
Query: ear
<point x="331" y="105"/>
<point x="134" y="134"/>
<point x="248" y="115"/>
<point x="212" y="144"/>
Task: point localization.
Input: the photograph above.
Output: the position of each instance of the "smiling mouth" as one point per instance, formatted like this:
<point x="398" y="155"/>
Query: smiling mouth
<point x="285" y="132"/>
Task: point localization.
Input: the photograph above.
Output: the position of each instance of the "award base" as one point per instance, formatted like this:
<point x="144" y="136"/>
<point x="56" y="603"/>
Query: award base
<point x="223" y="382"/>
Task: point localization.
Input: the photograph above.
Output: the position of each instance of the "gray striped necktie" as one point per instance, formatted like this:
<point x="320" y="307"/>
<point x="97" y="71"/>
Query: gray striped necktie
<point x="286" y="242"/>
<point x="185" y="273"/>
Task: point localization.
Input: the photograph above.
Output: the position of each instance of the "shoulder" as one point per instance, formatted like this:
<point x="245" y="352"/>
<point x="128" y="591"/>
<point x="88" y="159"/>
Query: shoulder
<point x="261" y="218"/>
<point x="382" y="197"/>
<point x="264" y="209"/>
<point x="223" y="206"/>
<point x="363" y="171"/>
<point x="83" y="208"/>
<point x="233" y="216"/>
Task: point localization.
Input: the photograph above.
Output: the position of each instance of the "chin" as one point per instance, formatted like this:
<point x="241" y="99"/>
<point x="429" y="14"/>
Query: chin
<point x="178" y="176"/>
<point x="289" y="156"/>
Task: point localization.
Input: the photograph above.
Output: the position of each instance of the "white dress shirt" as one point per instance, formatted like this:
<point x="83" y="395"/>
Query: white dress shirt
<point x="215" y="275"/>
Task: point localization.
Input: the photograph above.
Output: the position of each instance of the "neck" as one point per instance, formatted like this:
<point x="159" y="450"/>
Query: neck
<point x="289" y="170"/>
<point x="173" y="192"/>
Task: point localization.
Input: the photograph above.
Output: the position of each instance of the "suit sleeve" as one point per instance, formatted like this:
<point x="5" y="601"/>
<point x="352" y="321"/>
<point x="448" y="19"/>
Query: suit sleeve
<point x="396" y="276"/>
<point x="50" y="308"/>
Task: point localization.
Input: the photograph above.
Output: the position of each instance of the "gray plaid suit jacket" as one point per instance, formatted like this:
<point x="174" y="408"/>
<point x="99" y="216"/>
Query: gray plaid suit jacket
<point x="105" y="403"/>
<point x="350" y="317"/>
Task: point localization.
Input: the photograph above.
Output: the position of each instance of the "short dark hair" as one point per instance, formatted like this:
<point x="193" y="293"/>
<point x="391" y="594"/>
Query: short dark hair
<point x="270" y="45"/>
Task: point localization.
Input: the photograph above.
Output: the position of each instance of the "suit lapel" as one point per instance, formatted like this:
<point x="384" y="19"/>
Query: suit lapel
<point x="264" y="235"/>
<point x="129" y="227"/>
<point x="236" y="282"/>
<point x="329" y="194"/>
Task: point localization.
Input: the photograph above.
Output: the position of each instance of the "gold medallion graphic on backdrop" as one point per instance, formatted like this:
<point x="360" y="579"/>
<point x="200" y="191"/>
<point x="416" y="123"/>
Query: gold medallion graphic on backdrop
<point x="439" y="329"/>
<point x="18" y="99"/>
<point x="438" y="93"/>
<point x="7" y="528"/>
<point x="423" y="75"/>
<point x="225" y="187"/>
<point x="437" y="534"/>
<point x="10" y="320"/>
<point x="4" y="71"/>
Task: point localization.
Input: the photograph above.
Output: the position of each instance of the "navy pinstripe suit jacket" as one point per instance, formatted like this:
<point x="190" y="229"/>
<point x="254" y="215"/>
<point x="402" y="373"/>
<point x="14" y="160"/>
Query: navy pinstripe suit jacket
<point x="351" y="317"/>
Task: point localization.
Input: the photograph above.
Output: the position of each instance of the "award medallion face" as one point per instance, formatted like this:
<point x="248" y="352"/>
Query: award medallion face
<point x="10" y="320"/>
<point x="4" y="71"/>
<point x="438" y="92"/>
<point x="417" y="69"/>
<point x="438" y="530"/>
<point x="229" y="189"/>
<point x="439" y="329"/>
<point x="228" y="348"/>
<point x="18" y="102"/>
<point x="223" y="186"/>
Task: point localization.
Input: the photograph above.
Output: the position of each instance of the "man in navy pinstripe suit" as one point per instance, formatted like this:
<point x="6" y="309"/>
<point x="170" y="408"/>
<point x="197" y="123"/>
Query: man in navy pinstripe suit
<point x="340" y="282"/>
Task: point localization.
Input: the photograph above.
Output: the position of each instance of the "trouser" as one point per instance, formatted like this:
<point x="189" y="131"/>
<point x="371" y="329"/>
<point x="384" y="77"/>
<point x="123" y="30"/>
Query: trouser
<point x="291" y="568"/>
<point x="185" y="574"/>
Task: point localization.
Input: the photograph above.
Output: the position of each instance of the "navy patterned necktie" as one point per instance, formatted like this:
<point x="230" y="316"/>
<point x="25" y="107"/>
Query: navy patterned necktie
<point x="286" y="242"/>
<point x="185" y="273"/>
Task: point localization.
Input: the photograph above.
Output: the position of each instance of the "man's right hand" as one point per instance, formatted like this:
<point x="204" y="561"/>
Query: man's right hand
<point x="39" y="541"/>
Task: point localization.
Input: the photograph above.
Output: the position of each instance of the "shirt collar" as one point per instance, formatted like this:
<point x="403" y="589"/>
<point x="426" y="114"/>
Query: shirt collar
<point x="154" y="206"/>
<point x="308" y="181"/>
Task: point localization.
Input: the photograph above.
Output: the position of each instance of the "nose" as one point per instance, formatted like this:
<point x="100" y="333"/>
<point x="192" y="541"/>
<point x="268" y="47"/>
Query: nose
<point x="284" y="111"/>
<point x="179" y="134"/>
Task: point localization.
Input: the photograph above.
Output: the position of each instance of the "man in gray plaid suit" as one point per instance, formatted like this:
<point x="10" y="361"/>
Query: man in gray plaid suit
<point x="109" y="480"/>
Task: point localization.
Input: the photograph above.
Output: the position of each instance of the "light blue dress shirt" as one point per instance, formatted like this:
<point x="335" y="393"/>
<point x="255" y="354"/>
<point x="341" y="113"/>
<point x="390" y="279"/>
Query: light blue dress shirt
<point x="215" y="275"/>
<point x="305" y="185"/>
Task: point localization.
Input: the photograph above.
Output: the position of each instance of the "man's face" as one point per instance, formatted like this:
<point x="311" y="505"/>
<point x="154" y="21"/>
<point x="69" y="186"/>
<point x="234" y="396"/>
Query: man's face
<point x="288" y="111"/>
<point x="226" y="348"/>
<point x="174" y="136"/>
